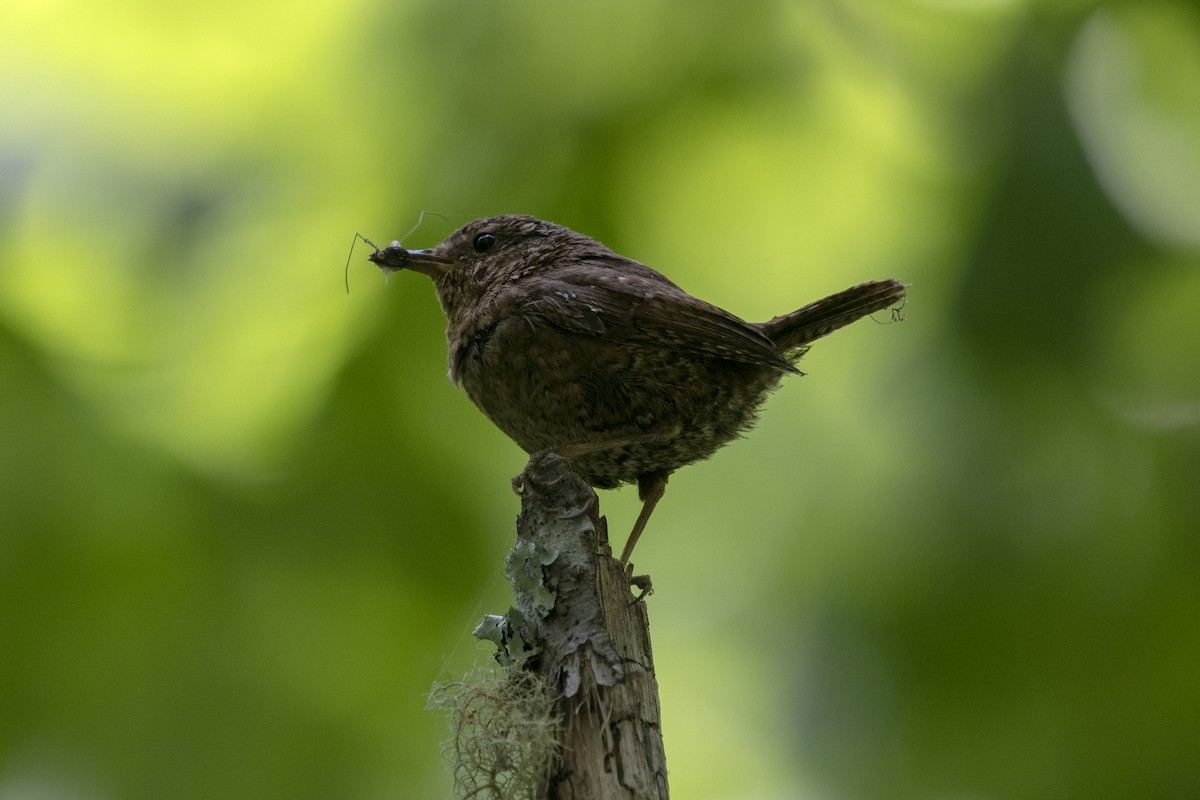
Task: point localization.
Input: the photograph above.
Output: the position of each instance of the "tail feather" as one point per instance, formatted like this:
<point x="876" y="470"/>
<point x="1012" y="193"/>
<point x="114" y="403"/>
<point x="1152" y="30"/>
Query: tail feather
<point x="805" y="325"/>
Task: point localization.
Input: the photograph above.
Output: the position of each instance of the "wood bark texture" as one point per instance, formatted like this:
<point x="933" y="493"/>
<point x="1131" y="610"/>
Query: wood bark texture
<point x="594" y="640"/>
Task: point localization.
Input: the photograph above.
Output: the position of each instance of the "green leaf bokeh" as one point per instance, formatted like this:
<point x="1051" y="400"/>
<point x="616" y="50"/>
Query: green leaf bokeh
<point x="245" y="521"/>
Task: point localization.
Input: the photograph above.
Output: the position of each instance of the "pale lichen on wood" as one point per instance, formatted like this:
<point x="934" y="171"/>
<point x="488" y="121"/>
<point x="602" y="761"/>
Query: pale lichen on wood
<point x="577" y="625"/>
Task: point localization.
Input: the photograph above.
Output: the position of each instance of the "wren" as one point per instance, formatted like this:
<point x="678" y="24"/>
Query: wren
<point x="568" y="347"/>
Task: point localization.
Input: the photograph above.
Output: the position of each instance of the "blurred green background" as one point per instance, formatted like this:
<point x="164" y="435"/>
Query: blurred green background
<point x="245" y="520"/>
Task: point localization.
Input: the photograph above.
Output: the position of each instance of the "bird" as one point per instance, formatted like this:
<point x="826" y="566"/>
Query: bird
<point x="571" y="348"/>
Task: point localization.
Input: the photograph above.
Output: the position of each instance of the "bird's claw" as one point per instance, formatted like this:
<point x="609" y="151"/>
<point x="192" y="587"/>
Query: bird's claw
<point x="641" y="582"/>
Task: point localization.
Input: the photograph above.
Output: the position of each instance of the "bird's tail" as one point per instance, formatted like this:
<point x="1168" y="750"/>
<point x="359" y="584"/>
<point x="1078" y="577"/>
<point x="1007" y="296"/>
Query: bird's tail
<point x="796" y="330"/>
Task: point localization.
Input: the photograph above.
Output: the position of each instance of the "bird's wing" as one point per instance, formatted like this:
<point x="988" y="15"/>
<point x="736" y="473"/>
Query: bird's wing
<point x="626" y="301"/>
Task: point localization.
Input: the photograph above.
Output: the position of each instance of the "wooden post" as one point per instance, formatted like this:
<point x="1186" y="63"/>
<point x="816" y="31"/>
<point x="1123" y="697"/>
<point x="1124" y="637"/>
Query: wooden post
<point x="588" y="637"/>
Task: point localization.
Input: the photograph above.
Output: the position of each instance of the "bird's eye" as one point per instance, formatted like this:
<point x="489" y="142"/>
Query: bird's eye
<point x="484" y="242"/>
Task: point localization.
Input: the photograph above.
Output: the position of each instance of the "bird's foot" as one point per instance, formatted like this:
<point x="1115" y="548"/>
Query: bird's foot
<point x="532" y="467"/>
<point x="640" y="582"/>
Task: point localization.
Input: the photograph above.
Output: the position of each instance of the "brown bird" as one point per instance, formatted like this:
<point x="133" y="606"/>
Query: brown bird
<point x="569" y="347"/>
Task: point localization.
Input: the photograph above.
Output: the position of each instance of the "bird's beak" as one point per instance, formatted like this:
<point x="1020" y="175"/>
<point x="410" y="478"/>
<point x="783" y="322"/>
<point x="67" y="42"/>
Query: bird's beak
<point x="394" y="258"/>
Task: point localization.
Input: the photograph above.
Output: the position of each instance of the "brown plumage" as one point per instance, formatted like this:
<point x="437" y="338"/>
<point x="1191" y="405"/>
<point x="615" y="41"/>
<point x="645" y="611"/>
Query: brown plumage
<point x="567" y="346"/>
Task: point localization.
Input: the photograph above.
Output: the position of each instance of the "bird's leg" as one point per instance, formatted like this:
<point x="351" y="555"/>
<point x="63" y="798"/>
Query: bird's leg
<point x="651" y="488"/>
<point x="651" y="485"/>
